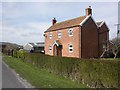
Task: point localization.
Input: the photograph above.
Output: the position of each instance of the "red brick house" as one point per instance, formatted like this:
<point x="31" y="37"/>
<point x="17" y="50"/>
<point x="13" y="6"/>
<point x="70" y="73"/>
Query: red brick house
<point x="80" y="37"/>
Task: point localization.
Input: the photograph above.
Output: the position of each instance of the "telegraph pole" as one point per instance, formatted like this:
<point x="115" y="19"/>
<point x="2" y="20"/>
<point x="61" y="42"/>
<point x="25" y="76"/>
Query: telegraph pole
<point x="118" y="31"/>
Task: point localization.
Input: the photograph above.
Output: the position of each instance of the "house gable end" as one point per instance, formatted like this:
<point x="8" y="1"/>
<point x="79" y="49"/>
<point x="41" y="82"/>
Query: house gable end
<point x="86" y="19"/>
<point x="105" y="26"/>
<point x="28" y="44"/>
<point x="89" y="39"/>
<point x="28" y="47"/>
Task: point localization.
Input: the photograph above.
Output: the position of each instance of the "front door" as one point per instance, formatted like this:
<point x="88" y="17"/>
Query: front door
<point x="57" y="50"/>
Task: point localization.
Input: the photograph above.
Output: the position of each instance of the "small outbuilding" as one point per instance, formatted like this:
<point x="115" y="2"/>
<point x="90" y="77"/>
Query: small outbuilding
<point x="34" y="47"/>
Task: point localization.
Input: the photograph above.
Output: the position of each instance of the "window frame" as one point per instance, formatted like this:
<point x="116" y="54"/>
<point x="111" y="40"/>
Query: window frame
<point x="70" y="47"/>
<point x="50" y="35"/>
<point x="59" y="34"/>
<point x="70" y="32"/>
<point x="50" y="48"/>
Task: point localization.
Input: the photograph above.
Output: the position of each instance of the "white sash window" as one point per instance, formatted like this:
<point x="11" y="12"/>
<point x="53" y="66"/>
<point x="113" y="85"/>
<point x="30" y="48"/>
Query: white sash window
<point x="70" y="31"/>
<point x="70" y="47"/>
<point x="50" y="35"/>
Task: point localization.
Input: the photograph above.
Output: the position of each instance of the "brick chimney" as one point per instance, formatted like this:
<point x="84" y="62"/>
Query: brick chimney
<point x="88" y="11"/>
<point x="54" y="21"/>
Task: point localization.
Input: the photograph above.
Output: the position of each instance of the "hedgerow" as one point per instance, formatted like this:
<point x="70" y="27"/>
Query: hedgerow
<point x="92" y="72"/>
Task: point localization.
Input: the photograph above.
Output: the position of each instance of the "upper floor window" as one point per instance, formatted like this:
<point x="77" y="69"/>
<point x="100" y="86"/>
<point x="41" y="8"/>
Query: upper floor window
<point x="50" y="35"/>
<point x="70" y="47"/>
<point x="70" y="31"/>
<point x="59" y="34"/>
<point x="50" y="48"/>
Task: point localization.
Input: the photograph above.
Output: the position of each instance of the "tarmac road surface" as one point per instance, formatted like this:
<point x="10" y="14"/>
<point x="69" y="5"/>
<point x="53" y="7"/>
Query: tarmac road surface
<point x="10" y="79"/>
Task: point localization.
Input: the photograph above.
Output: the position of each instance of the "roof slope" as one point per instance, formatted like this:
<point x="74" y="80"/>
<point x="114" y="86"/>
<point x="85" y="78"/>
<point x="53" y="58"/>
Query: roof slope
<point x="66" y="24"/>
<point x="99" y="23"/>
<point x="39" y="44"/>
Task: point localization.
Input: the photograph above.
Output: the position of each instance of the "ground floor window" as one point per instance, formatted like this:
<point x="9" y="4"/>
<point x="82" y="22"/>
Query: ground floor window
<point x="70" y="47"/>
<point x="50" y="48"/>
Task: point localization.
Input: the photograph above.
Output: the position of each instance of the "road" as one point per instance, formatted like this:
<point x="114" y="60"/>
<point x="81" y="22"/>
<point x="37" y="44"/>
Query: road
<point x="10" y="79"/>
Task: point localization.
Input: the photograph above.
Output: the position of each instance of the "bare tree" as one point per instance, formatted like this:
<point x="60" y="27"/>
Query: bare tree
<point x="105" y="49"/>
<point x="112" y="46"/>
<point x="115" y="46"/>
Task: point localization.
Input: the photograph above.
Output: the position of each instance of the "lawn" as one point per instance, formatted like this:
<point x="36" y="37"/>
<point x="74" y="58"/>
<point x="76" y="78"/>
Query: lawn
<point x="40" y="78"/>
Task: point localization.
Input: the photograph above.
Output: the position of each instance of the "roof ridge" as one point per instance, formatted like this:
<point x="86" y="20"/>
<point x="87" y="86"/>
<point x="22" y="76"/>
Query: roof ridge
<point x="69" y="19"/>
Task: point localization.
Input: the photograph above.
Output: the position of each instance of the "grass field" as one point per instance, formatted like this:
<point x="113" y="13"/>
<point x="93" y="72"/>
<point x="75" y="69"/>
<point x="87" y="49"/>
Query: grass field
<point x="40" y="78"/>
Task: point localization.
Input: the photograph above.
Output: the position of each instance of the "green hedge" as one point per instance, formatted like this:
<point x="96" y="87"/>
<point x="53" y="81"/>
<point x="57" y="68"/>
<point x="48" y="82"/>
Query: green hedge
<point x="19" y="54"/>
<point x="94" y="73"/>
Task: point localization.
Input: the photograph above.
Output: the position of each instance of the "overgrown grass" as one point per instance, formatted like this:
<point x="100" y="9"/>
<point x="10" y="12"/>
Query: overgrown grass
<point x="110" y="59"/>
<point x="40" y="78"/>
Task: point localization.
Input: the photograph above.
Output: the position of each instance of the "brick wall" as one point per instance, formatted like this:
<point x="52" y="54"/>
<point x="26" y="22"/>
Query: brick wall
<point x="84" y="40"/>
<point x="65" y="41"/>
<point x="89" y="40"/>
<point x="103" y="36"/>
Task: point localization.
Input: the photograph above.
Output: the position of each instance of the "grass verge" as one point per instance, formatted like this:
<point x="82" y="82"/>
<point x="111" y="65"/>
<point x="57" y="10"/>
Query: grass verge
<point x="110" y="59"/>
<point x="39" y="78"/>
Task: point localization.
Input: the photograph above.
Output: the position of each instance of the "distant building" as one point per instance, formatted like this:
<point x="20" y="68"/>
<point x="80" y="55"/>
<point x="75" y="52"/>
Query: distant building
<point x="80" y="37"/>
<point x="8" y="48"/>
<point x="2" y="46"/>
<point x="34" y="47"/>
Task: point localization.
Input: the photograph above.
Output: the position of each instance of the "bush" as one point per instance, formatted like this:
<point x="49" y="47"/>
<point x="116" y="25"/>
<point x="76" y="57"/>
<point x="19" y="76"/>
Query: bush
<point x="19" y="54"/>
<point x="94" y="73"/>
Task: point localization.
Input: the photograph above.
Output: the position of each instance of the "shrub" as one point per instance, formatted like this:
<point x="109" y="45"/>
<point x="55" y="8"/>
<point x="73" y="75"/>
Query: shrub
<point x="95" y="73"/>
<point x="19" y="54"/>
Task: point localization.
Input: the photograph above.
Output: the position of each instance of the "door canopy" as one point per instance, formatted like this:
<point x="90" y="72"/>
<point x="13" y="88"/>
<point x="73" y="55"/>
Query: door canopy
<point x="57" y="43"/>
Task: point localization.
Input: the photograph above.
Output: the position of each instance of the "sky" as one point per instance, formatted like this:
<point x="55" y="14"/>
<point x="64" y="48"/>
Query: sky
<point x="24" y="22"/>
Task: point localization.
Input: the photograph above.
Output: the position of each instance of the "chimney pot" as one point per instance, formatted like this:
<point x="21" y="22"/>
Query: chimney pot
<point x="88" y="11"/>
<point x="54" y="21"/>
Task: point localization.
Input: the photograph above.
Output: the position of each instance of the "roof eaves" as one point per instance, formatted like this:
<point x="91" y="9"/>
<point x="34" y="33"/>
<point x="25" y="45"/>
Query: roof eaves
<point x="85" y="20"/>
<point x="103" y="22"/>
<point x="98" y="22"/>
<point x="28" y="44"/>
<point x="94" y="21"/>
<point x="106" y="25"/>
<point x="60" y="28"/>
